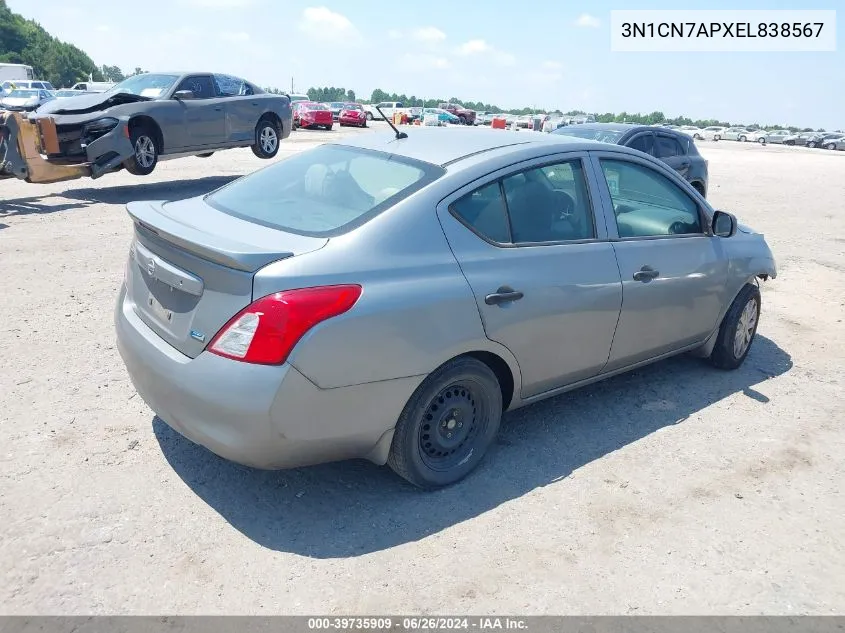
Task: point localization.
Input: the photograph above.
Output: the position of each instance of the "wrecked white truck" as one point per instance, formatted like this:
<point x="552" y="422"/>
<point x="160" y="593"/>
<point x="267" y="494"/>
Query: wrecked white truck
<point x="141" y="120"/>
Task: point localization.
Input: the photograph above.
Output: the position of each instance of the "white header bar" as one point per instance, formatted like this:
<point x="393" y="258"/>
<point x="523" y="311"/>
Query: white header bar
<point x="709" y="31"/>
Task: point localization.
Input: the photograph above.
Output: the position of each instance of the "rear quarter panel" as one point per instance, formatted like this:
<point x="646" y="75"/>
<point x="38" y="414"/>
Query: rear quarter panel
<point x="416" y="312"/>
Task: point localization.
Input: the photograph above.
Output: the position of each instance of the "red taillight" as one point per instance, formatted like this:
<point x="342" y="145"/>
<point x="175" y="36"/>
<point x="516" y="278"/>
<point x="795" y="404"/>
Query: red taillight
<point x="267" y="330"/>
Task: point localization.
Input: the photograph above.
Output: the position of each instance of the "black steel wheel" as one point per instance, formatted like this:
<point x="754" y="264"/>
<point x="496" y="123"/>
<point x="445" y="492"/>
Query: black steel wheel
<point x="448" y="424"/>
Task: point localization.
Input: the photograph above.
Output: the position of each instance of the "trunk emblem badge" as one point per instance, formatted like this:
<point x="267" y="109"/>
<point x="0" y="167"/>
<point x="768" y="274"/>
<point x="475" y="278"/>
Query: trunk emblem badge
<point x="197" y="335"/>
<point x="151" y="267"/>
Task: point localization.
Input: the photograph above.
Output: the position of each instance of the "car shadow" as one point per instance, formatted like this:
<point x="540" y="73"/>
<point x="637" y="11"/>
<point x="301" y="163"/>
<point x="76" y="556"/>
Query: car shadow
<point x="121" y="194"/>
<point x="354" y="508"/>
<point x="164" y="190"/>
<point x="36" y="205"/>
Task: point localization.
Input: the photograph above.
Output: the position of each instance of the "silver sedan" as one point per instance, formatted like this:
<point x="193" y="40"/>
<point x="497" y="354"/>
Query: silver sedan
<point x="390" y="298"/>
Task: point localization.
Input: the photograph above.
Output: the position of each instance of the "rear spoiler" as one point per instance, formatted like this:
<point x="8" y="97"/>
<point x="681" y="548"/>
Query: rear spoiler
<point x="149" y="217"/>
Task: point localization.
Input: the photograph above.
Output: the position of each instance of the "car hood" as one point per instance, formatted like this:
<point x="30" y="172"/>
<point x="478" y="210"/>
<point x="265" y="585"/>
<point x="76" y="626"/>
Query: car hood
<point x="19" y="101"/>
<point x="93" y="102"/>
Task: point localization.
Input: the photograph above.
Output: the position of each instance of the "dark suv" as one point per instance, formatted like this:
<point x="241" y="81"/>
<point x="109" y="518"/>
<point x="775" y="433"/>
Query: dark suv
<point x="674" y="148"/>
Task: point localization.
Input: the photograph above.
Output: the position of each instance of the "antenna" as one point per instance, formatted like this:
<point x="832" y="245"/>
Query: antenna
<point x="399" y="135"/>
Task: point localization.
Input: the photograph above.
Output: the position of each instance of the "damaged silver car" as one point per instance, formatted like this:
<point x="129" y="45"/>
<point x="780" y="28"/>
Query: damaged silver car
<point x="158" y="116"/>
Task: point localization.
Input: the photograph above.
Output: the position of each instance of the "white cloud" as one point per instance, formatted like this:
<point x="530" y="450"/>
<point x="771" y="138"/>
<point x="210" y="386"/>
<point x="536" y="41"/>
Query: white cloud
<point x="552" y="65"/>
<point x="321" y="23"/>
<point x="588" y="21"/>
<point x="423" y="62"/>
<point x="236" y="37"/>
<point x="103" y="28"/>
<point x="219" y="4"/>
<point x="428" y="34"/>
<point x="481" y="47"/>
<point x="394" y="34"/>
<point x="474" y="47"/>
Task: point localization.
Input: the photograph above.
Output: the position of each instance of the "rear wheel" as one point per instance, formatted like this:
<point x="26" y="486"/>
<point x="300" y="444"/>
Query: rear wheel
<point x="448" y="424"/>
<point x="736" y="334"/>
<point x="266" y="139"/>
<point x="369" y="116"/>
<point x="717" y="137"/>
<point x="145" y="158"/>
<point x="762" y="141"/>
<point x="697" y="136"/>
<point x="790" y="143"/>
<point x="329" y="127"/>
<point x="742" y="139"/>
<point x="830" y="146"/>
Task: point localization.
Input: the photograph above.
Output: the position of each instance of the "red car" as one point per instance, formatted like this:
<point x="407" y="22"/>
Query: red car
<point x="308" y="114"/>
<point x="353" y="114"/>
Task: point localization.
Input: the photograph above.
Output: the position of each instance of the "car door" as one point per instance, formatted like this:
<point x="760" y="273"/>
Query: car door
<point x="205" y="118"/>
<point x="543" y="274"/>
<point x="240" y="105"/>
<point x="673" y="270"/>
<point x="668" y="149"/>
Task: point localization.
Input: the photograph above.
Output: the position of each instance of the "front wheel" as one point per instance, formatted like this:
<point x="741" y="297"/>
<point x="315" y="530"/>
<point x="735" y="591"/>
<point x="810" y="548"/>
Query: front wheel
<point x="329" y="127"/>
<point x="762" y="141"/>
<point x="145" y="158"/>
<point x="790" y="143"/>
<point x="742" y="139"/>
<point x="448" y="424"/>
<point x="716" y="137"/>
<point x="697" y="137"/>
<point x="830" y="146"/>
<point x="266" y="139"/>
<point x="736" y="334"/>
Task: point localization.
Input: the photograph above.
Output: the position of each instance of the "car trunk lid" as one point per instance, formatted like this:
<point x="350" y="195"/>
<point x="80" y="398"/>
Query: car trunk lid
<point x="191" y="267"/>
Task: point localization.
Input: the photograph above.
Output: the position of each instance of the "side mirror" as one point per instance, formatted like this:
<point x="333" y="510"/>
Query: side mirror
<point x="724" y="224"/>
<point x="183" y="94"/>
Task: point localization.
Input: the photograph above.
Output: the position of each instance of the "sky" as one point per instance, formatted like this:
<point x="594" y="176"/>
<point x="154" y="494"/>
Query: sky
<point x="544" y="55"/>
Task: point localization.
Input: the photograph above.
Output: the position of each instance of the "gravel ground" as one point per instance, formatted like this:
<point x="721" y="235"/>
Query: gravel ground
<point x="672" y="490"/>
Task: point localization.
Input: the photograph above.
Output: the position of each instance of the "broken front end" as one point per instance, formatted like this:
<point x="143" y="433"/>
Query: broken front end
<point x="43" y="150"/>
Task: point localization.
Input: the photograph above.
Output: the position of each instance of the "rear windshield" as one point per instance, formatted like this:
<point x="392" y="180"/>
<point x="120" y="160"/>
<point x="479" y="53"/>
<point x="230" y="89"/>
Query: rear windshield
<point x="604" y="135"/>
<point x="322" y="192"/>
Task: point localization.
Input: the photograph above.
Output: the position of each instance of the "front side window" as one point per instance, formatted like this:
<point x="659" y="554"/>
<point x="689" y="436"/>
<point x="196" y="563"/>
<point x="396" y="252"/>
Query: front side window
<point x="544" y="204"/>
<point x="643" y="143"/>
<point x="200" y="85"/>
<point x="667" y="147"/>
<point x="646" y="203"/>
<point x="324" y="191"/>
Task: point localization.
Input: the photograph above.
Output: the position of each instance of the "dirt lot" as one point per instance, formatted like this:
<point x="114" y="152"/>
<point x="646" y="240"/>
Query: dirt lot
<point x="676" y="489"/>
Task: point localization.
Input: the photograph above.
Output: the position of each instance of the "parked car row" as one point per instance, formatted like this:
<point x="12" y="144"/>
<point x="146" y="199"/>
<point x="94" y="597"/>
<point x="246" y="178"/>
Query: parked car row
<point x="827" y="140"/>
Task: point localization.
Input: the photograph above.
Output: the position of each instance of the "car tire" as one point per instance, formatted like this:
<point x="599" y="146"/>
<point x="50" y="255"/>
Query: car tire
<point x="266" y="138"/>
<point x="206" y="155"/>
<point x="447" y="426"/>
<point x="717" y="137"/>
<point x="830" y="146"/>
<point x="363" y="124"/>
<point x="697" y="137"/>
<point x="790" y="143"/>
<point x="742" y="139"/>
<point x="145" y="144"/>
<point x="762" y="141"/>
<point x="811" y="144"/>
<point x="369" y="116"/>
<point x="738" y="329"/>
<point x="329" y="127"/>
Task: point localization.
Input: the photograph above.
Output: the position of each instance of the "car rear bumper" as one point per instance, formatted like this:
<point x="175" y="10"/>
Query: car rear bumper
<point x="348" y="120"/>
<point x="264" y="416"/>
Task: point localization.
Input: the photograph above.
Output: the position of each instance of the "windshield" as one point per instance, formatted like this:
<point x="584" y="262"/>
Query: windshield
<point x="324" y="191"/>
<point x="353" y="106"/>
<point x="23" y="94"/>
<point x="314" y="106"/>
<point x="603" y="135"/>
<point x="150" y="85"/>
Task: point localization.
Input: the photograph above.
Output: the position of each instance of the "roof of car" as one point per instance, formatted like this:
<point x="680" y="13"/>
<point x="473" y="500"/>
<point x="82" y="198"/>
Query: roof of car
<point x="446" y="146"/>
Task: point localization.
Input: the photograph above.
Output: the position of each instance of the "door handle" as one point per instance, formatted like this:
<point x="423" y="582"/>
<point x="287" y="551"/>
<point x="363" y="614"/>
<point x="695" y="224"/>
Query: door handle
<point x="646" y="274"/>
<point x="218" y="108"/>
<point x="505" y="294"/>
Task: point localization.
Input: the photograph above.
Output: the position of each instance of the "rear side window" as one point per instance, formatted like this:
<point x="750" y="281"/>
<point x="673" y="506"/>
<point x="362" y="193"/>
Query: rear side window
<point x="323" y="192"/>
<point x="229" y="86"/>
